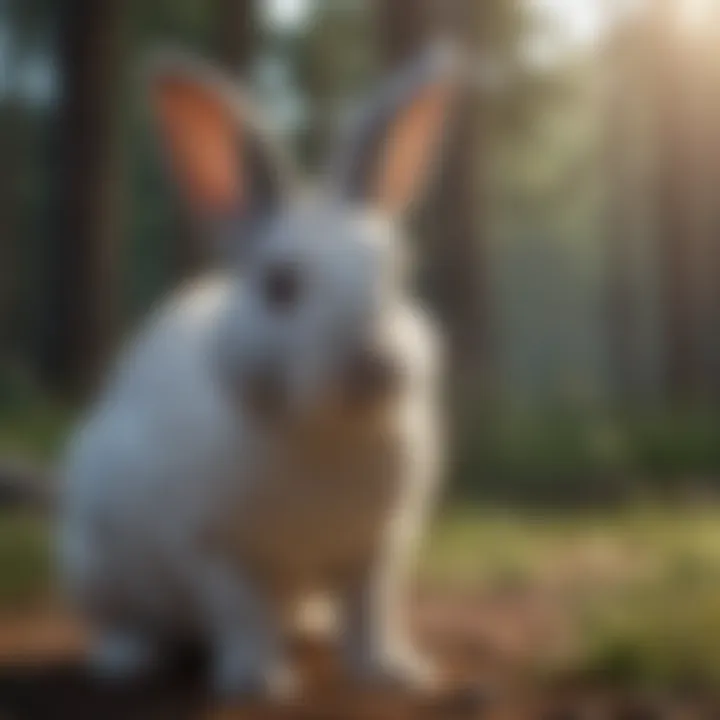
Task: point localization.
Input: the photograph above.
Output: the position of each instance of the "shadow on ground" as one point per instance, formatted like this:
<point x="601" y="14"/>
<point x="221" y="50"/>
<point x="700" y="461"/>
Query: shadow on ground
<point x="42" y="678"/>
<point x="60" y="689"/>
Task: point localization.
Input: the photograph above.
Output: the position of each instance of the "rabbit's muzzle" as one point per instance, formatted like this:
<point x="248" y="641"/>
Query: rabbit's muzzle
<point x="366" y="378"/>
<point x="372" y="376"/>
<point x="266" y="392"/>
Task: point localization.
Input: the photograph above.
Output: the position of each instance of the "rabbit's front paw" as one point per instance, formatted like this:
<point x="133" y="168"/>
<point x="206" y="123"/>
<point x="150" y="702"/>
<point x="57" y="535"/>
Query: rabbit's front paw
<point x="403" y="671"/>
<point x="237" y="679"/>
<point x="120" y="657"/>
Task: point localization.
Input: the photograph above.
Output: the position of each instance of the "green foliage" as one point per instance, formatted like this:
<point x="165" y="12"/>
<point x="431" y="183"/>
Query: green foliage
<point x="24" y="561"/>
<point x="669" y="448"/>
<point x="31" y="426"/>
<point x="577" y="457"/>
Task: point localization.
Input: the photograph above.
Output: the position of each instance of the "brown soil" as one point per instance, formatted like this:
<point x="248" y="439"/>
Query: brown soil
<point x="484" y="647"/>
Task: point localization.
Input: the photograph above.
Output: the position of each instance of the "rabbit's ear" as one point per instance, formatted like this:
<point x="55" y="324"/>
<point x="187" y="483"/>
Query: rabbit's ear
<point x="390" y="151"/>
<point x="218" y="150"/>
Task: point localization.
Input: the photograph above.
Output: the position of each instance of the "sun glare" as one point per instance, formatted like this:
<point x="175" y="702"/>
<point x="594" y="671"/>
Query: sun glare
<point x="287" y="13"/>
<point x="695" y="14"/>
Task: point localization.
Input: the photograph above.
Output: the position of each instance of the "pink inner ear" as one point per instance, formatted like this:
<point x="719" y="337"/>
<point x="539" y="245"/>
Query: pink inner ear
<point x="204" y="142"/>
<point x="409" y="148"/>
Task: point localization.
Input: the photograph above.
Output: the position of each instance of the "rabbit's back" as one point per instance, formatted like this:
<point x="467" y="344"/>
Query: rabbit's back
<point x="138" y="470"/>
<point x="162" y="408"/>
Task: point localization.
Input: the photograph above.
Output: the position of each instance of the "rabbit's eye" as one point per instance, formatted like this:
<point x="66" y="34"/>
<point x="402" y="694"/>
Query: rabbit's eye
<point x="282" y="286"/>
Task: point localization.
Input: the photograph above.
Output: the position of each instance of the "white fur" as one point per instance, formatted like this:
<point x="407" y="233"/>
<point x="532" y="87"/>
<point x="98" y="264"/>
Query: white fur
<point x="175" y="498"/>
<point x="185" y="514"/>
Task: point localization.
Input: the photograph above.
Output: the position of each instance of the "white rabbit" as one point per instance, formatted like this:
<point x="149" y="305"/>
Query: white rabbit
<point x="274" y="429"/>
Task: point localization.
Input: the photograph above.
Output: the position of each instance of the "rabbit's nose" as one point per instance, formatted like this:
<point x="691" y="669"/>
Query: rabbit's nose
<point x="372" y="374"/>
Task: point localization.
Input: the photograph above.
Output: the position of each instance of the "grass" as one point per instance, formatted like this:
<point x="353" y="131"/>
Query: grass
<point x="663" y="636"/>
<point x="639" y="588"/>
<point x="473" y="545"/>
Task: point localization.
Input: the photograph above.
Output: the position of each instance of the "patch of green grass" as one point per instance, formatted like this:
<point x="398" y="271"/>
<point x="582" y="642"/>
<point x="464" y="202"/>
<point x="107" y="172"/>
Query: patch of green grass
<point x="639" y="588"/>
<point x="471" y="548"/>
<point x="474" y="545"/>
<point x="629" y="546"/>
<point x="663" y="636"/>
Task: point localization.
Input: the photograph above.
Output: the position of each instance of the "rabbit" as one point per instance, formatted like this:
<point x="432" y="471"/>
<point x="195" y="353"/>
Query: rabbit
<point x="275" y="427"/>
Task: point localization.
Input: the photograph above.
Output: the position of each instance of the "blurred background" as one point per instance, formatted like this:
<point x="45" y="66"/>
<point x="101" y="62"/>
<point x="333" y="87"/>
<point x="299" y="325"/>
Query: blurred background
<point x="571" y="249"/>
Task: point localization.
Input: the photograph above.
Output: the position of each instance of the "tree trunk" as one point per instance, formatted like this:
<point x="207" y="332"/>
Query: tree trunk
<point x="621" y="197"/>
<point x="402" y="27"/>
<point x="675" y="223"/>
<point x="458" y="251"/>
<point x="236" y="33"/>
<point x="13" y="142"/>
<point x="83" y="252"/>
<point x="711" y="74"/>
<point x="9" y="137"/>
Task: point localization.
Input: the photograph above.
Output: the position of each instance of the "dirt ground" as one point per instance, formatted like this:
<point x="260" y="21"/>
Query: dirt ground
<point x="483" y="646"/>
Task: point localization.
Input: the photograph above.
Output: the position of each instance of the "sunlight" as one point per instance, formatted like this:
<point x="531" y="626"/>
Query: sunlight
<point x="287" y="13"/>
<point x="694" y="14"/>
<point x="573" y="23"/>
<point x="580" y="20"/>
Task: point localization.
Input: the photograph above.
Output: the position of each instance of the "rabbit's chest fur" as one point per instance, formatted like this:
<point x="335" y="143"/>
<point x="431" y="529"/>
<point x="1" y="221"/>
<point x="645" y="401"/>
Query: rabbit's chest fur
<point x="317" y="504"/>
<point x="162" y="475"/>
